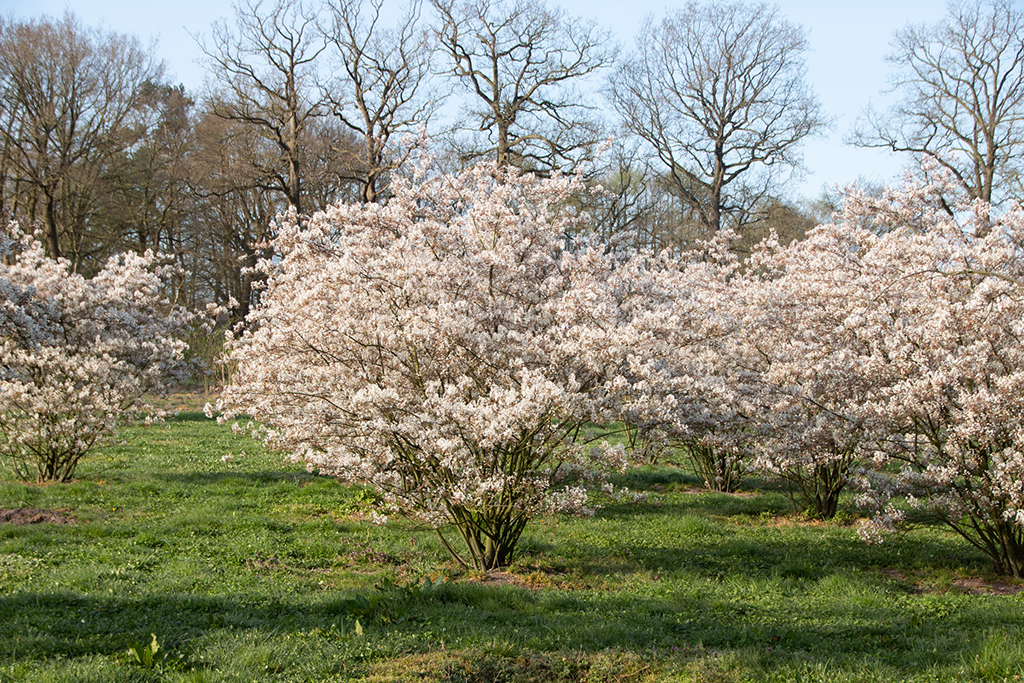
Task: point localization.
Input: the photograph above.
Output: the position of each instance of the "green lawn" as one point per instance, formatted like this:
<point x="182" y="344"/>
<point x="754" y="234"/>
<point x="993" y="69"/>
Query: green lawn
<point x="252" y="569"/>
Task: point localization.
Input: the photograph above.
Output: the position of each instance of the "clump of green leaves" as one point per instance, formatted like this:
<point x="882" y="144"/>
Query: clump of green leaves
<point x="148" y="656"/>
<point x="421" y="587"/>
<point x="391" y="602"/>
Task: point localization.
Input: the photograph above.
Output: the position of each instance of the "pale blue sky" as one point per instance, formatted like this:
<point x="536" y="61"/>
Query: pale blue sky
<point x="845" y="66"/>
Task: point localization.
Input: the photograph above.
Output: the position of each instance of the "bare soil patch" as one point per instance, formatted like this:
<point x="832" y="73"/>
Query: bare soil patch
<point x="22" y="516"/>
<point x="972" y="585"/>
<point x="976" y="586"/>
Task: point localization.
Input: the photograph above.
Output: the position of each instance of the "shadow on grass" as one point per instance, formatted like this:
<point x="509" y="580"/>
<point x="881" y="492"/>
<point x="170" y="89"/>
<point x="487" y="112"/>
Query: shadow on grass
<point x="742" y="558"/>
<point x="221" y="478"/>
<point x="753" y="538"/>
<point x="67" y="625"/>
<point x="653" y="478"/>
<point x="705" y="504"/>
<point x="680" y="477"/>
<point x="190" y="416"/>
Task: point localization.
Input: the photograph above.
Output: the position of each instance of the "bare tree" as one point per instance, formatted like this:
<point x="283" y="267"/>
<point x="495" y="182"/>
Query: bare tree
<point x="264" y="74"/>
<point x="521" y="63"/>
<point x="717" y="92"/>
<point x="330" y="149"/>
<point x="637" y="207"/>
<point x="962" y="88"/>
<point x="236" y="199"/>
<point x="380" y="93"/>
<point x="787" y="221"/>
<point x="71" y="98"/>
<point x="145" y="192"/>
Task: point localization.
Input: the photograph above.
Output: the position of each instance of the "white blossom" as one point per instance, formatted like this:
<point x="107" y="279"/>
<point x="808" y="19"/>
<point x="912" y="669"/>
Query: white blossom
<point x="901" y="346"/>
<point x="444" y="348"/>
<point x="77" y="354"/>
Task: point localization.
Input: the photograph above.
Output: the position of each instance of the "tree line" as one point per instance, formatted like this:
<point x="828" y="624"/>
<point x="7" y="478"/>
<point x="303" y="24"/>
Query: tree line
<point x="314" y="103"/>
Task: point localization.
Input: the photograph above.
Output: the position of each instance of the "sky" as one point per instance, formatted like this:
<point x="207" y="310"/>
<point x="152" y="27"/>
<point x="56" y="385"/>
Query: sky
<point x="846" y="64"/>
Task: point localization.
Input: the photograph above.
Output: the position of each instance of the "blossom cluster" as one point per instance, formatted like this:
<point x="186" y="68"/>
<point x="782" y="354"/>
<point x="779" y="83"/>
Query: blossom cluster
<point x="77" y="354"/>
<point x="683" y="393"/>
<point x="445" y="348"/>
<point x="885" y="350"/>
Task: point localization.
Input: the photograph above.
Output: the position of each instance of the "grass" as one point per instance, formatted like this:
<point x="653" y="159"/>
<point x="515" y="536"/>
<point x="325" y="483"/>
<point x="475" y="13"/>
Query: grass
<point x="249" y="569"/>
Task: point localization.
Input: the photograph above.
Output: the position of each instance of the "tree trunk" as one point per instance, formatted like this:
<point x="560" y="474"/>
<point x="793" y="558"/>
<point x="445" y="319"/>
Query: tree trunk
<point x="503" y="151"/>
<point x="50" y="228"/>
<point x="294" y="185"/>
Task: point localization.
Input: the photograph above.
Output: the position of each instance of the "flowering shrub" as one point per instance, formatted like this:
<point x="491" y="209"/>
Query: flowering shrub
<point x="942" y="319"/>
<point x="77" y="354"/>
<point x="894" y="337"/>
<point x="686" y="393"/>
<point x="444" y="349"/>
<point x="803" y="364"/>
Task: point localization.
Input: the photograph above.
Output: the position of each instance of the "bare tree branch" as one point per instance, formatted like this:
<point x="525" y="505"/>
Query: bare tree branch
<point x="380" y="92"/>
<point x="70" y="97"/>
<point x="264" y="72"/>
<point x="718" y="94"/>
<point x="962" y="88"/>
<point x="522" y="63"/>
